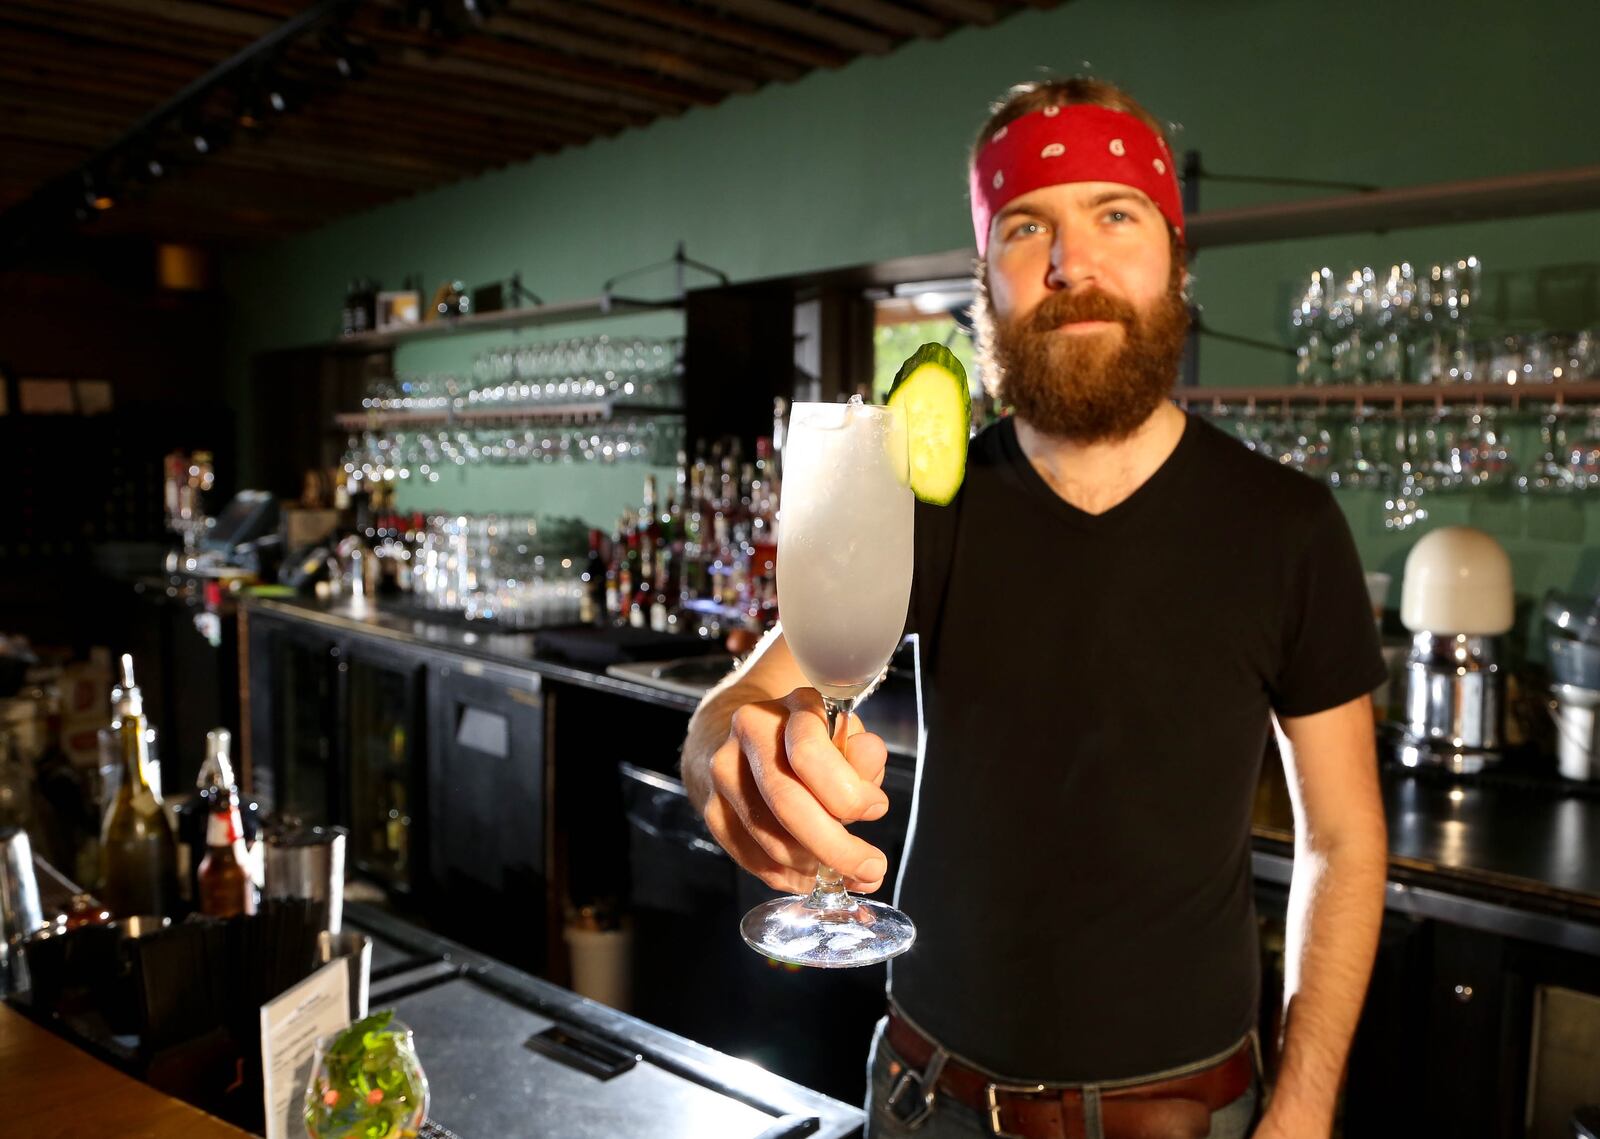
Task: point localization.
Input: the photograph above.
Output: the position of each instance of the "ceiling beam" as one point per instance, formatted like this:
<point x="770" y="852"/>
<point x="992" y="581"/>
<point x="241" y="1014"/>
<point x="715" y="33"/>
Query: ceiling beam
<point x="811" y="23"/>
<point x="659" y="60"/>
<point x="587" y="17"/>
<point x="211" y="17"/>
<point x="657" y="95"/>
<point x="730" y="31"/>
<point x="531" y="80"/>
<point x="967" y="11"/>
<point x="896" y="18"/>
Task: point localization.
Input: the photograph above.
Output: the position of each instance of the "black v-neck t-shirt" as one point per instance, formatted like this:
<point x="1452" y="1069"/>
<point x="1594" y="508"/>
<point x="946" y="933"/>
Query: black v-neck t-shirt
<point x="1097" y="692"/>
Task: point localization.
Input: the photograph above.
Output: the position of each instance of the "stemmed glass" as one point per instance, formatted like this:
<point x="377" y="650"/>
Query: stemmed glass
<point x="1583" y="456"/>
<point x="1404" y="507"/>
<point x="844" y="581"/>
<point x="1364" y="465"/>
<point x="366" y="1080"/>
<point x="1308" y="323"/>
<point x="1549" y="474"/>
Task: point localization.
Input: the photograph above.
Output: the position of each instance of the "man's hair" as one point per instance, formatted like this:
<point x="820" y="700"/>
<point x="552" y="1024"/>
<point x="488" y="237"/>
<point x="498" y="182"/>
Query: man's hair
<point x="1025" y="98"/>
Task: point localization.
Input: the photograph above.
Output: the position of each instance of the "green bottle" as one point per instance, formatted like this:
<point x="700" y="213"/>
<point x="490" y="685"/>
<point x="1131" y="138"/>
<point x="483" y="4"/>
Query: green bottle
<point x="138" y="851"/>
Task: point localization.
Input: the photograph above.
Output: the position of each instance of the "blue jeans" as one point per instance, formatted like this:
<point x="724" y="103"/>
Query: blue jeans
<point x="952" y="1120"/>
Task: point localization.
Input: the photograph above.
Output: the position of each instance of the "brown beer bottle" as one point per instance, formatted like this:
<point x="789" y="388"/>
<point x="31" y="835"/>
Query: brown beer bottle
<point x="225" y="887"/>
<point x="139" y="854"/>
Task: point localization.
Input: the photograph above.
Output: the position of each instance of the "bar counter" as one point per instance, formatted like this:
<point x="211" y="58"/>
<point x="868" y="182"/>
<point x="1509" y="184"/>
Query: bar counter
<point x="1504" y="852"/>
<point x="70" y="1093"/>
<point x="472" y="1017"/>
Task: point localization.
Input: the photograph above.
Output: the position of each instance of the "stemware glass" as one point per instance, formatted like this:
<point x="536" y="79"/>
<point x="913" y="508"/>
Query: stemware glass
<point x="1405" y="507"/>
<point x="1583" y="456"/>
<point x="1307" y="327"/>
<point x="366" y="1080"/>
<point x="1549" y="474"/>
<point x="844" y="582"/>
<point x="1363" y="467"/>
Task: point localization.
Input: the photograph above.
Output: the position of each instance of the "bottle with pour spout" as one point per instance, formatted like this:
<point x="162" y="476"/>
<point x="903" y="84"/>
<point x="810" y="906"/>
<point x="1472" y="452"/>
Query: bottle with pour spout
<point x="138" y="851"/>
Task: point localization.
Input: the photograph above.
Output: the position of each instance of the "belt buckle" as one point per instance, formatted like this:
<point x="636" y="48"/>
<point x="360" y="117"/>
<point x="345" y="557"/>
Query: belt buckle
<point x="989" y="1093"/>
<point x="927" y="1082"/>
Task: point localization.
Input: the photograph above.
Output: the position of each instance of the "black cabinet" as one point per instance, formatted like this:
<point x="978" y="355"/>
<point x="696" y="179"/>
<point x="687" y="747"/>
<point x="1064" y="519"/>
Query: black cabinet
<point x="295" y="700"/>
<point x="487" y="804"/>
<point x="385" y="749"/>
<point x="338" y="736"/>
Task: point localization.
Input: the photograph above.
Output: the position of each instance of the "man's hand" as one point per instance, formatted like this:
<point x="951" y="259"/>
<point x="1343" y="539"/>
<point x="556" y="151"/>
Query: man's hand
<point x="1273" y="1127"/>
<point x="779" y="789"/>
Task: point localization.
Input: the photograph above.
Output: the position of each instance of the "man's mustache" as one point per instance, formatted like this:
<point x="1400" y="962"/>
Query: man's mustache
<point x="1073" y="306"/>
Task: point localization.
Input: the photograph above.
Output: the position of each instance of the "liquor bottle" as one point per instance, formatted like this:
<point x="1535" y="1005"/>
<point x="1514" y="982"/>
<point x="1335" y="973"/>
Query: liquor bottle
<point x="649" y="519"/>
<point x="138" y="851"/>
<point x="16" y="796"/>
<point x="677" y="547"/>
<point x="613" y="580"/>
<point x="763" y="535"/>
<point x="637" y="612"/>
<point x="65" y="816"/>
<point x="663" y="608"/>
<point x="627" y="575"/>
<point x="722" y="560"/>
<point x="593" y="602"/>
<point x="194" y="820"/>
<point x="680" y="488"/>
<point x="225" y="888"/>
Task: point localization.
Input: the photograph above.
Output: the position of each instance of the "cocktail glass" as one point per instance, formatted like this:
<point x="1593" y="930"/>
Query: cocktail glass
<point x="844" y="581"/>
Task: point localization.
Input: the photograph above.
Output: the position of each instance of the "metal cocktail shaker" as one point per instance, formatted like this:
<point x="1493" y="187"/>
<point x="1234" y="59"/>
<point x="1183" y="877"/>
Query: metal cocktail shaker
<point x="308" y="862"/>
<point x="20" y="912"/>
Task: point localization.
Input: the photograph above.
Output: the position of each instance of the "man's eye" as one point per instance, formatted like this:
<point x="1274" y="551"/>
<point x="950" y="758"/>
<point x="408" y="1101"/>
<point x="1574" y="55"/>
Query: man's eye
<point x="1025" y="229"/>
<point x="1118" y="216"/>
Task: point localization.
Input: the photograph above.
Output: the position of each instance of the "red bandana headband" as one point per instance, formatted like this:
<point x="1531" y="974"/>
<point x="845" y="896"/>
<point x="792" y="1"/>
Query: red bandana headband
<point x="1078" y="143"/>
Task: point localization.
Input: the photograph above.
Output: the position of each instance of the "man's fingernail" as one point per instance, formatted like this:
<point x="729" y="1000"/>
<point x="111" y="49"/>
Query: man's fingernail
<point x="876" y="811"/>
<point x="871" y="869"/>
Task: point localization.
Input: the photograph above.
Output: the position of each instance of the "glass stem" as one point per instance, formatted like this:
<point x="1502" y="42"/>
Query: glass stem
<point x="830" y="894"/>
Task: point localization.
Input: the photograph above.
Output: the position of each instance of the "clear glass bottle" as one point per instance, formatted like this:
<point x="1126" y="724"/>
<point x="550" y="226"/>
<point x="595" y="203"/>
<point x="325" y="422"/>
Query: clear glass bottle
<point x="138" y="851"/>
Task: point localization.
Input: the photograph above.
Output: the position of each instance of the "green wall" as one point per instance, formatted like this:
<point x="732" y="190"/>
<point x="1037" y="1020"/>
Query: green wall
<point x="867" y="163"/>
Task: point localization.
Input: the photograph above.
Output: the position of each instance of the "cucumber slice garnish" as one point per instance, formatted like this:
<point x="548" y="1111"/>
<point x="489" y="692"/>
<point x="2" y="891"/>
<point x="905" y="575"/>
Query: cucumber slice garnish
<point x="931" y="388"/>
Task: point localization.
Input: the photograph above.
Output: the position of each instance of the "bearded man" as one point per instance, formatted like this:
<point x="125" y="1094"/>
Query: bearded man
<point x="1116" y="609"/>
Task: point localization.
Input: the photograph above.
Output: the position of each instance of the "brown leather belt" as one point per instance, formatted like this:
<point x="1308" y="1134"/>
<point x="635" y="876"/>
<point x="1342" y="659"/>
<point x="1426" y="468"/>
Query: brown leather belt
<point x="1175" y="1108"/>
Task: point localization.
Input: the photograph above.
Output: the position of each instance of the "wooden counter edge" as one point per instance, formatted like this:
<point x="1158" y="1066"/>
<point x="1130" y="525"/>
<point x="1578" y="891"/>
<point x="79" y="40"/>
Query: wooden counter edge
<point x="63" y="1091"/>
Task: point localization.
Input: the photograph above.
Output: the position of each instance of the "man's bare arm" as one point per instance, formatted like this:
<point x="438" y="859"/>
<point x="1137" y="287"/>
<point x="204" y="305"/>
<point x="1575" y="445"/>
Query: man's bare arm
<point x="1335" y="909"/>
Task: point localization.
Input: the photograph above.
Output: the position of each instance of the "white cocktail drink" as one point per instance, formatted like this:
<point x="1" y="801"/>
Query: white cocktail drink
<point x="844" y="543"/>
<point x="844" y="581"/>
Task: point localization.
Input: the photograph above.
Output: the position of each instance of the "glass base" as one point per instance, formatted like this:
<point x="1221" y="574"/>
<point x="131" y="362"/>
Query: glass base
<point x="798" y="931"/>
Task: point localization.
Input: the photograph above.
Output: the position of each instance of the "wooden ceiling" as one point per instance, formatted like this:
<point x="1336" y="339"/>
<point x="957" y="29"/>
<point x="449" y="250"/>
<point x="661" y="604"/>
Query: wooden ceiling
<point x="444" y="90"/>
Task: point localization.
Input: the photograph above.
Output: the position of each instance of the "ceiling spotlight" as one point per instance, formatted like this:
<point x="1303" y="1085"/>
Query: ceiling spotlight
<point x="96" y="195"/>
<point x="276" y="100"/>
<point x="154" y="167"/>
<point x="349" y="59"/>
<point x="202" y="142"/>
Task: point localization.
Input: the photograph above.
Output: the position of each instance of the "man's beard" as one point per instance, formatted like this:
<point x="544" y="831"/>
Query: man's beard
<point x="1082" y="386"/>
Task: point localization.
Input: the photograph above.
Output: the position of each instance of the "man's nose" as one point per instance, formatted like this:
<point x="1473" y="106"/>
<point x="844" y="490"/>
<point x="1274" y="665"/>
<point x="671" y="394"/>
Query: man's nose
<point x="1073" y="262"/>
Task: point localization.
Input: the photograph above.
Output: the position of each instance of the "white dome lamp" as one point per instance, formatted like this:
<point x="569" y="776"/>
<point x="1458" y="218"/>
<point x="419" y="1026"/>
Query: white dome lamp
<point x="1457" y="600"/>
